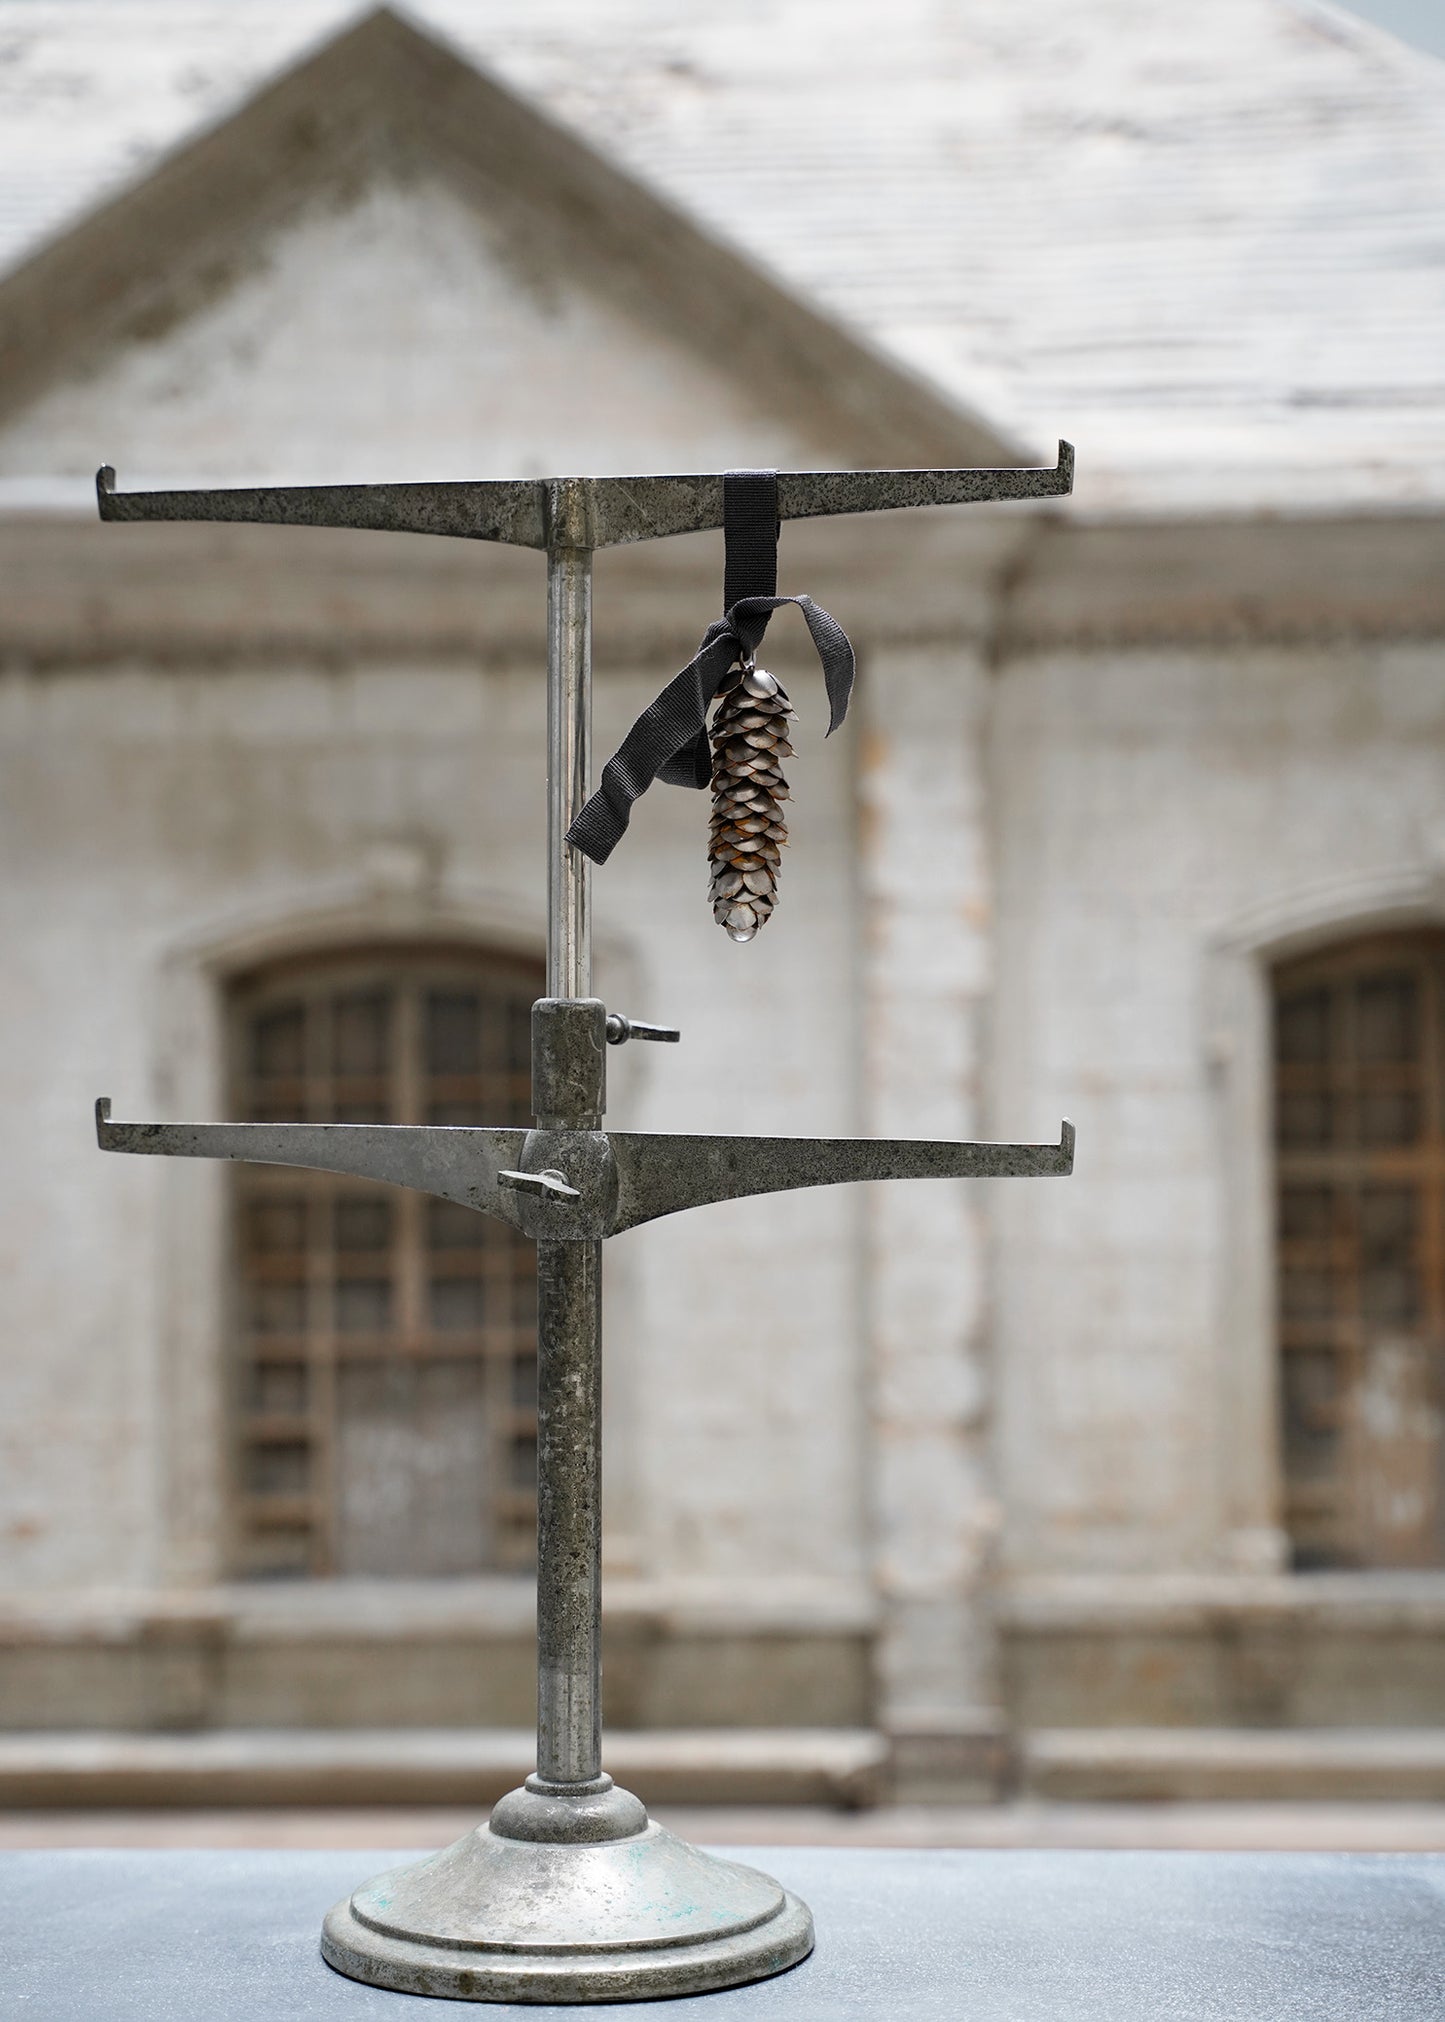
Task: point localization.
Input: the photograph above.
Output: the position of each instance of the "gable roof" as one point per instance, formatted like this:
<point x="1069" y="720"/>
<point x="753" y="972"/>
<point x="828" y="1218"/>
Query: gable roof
<point x="1205" y="243"/>
<point x="382" y="96"/>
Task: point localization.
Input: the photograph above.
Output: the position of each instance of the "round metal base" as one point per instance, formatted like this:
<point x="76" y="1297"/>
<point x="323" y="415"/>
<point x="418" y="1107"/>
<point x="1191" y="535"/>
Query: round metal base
<point x="631" y="1919"/>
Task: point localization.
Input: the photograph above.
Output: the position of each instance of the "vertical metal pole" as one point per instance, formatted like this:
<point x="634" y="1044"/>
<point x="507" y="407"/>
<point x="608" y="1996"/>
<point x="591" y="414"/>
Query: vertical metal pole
<point x="569" y="1512"/>
<point x="569" y="1275"/>
<point x="569" y="748"/>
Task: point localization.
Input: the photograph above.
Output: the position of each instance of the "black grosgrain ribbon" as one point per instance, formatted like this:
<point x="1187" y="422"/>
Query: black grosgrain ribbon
<point x="669" y="739"/>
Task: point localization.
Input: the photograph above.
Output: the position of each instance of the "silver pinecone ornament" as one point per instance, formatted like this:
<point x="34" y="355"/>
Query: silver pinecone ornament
<point x="749" y="742"/>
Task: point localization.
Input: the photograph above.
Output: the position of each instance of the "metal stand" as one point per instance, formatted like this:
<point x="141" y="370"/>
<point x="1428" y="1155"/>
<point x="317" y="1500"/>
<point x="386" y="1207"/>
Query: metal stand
<point x="570" y="1892"/>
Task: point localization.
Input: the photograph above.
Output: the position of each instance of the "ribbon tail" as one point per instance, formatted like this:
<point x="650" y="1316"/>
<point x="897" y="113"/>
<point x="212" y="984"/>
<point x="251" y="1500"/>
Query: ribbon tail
<point x="668" y="740"/>
<point x="749" y="617"/>
<point x="835" y="650"/>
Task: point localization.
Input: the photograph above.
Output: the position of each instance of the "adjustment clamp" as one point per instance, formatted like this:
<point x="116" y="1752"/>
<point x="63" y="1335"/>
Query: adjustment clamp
<point x="552" y="1185"/>
<point x="620" y="1030"/>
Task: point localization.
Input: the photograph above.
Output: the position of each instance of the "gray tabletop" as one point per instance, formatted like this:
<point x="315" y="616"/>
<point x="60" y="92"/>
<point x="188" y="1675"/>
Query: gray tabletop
<point x="974" y="1937"/>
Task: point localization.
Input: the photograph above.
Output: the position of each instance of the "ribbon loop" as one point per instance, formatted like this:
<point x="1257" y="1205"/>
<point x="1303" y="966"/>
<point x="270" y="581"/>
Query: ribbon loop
<point x="750" y="535"/>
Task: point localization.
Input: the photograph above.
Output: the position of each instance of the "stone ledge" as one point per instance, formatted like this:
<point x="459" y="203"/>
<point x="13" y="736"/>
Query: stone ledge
<point x="1098" y="581"/>
<point x="455" y="1655"/>
<point x="1166" y="1765"/>
<point x="938" y="1760"/>
<point x="831" y="1766"/>
<point x="1202" y="1651"/>
<point x="387" y="1610"/>
<point x="1100" y="1604"/>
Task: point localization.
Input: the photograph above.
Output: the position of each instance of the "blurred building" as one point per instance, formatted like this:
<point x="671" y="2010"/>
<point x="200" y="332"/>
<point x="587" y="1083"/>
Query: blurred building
<point x="1140" y="819"/>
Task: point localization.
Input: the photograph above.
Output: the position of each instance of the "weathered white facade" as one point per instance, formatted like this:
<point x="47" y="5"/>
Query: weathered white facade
<point x="944" y="1462"/>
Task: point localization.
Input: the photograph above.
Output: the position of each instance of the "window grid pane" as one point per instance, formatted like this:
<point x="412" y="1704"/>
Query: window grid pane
<point x="382" y="1424"/>
<point x="1359" y="1041"/>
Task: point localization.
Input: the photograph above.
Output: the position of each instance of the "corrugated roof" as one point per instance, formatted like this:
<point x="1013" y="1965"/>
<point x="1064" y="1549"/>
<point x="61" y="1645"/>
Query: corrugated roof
<point x="1207" y="243"/>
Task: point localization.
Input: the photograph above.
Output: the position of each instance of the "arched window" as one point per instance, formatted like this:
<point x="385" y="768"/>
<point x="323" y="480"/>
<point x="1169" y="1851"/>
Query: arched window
<point x="1360" y="1152"/>
<point x="384" y="1342"/>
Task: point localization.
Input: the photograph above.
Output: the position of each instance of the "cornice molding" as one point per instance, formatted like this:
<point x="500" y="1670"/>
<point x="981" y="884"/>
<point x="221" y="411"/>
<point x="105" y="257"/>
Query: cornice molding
<point x="1092" y="585"/>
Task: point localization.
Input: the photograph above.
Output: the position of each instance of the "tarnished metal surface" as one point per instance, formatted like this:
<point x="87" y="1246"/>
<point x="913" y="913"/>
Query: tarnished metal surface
<point x="569" y="744"/>
<point x="620" y="1179"/>
<point x="832" y="493"/>
<point x="513" y="512"/>
<point x="612" y="511"/>
<point x="585" y="1159"/>
<point x="562" y="1814"/>
<point x="497" y="1919"/>
<point x="454" y="1161"/>
<point x="547" y="1184"/>
<point x="569" y="1511"/>
<point x="569" y="1079"/>
<point x="620" y="1030"/>
<point x="569" y="1062"/>
<point x="661" y="1174"/>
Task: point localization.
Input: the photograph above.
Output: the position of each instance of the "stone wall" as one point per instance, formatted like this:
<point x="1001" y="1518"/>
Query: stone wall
<point x="196" y="780"/>
<point x="1168" y="820"/>
<point x="1240" y="755"/>
<point x="178" y="824"/>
